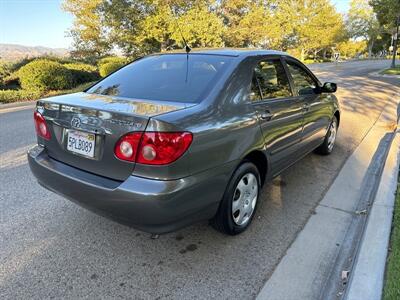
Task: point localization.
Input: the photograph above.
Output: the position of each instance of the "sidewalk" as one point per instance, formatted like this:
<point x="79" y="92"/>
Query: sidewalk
<point x="319" y="262"/>
<point x="369" y="269"/>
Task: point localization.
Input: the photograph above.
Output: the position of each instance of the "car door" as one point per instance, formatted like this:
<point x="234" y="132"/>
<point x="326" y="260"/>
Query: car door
<point x="317" y="108"/>
<point x="280" y="114"/>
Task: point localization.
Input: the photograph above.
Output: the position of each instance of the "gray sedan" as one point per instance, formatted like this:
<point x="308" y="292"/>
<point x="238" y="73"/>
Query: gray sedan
<point x="175" y="138"/>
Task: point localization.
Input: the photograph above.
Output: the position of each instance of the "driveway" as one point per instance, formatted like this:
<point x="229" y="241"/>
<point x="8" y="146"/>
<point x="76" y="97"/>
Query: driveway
<point x="51" y="248"/>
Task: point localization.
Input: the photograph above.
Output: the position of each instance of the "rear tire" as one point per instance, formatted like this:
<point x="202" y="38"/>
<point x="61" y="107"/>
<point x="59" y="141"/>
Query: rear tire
<point x="239" y="203"/>
<point x="329" y="142"/>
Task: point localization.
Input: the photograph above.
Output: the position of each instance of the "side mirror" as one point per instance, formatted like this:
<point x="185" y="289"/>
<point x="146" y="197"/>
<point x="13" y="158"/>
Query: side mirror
<point x="307" y="91"/>
<point x="328" y="87"/>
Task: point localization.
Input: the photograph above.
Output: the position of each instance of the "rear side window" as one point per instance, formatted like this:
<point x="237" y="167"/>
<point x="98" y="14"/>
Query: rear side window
<point x="169" y="77"/>
<point x="272" y="80"/>
<point x="303" y="82"/>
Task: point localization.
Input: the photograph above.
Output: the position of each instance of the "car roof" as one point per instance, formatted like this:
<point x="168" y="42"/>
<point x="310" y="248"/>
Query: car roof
<point x="228" y="52"/>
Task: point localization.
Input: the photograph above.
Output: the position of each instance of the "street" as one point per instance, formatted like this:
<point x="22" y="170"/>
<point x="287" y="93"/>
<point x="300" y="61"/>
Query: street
<point x="51" y="248"/>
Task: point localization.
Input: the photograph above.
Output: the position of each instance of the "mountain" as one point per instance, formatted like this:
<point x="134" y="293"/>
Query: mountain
<point x="14" y="52"/>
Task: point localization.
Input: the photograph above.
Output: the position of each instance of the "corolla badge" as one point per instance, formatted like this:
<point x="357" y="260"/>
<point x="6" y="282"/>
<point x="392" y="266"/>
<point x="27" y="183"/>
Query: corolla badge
<point x="76" y="122"/>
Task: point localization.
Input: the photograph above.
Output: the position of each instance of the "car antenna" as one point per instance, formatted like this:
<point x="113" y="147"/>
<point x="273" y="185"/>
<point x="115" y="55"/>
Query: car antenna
<point x="187" y="47"/>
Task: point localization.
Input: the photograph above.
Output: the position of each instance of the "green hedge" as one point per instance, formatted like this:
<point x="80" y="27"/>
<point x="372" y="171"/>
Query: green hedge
<point x="110" y="67"/>
<point x="82" y="72"/>
<point x="8" y="96"/>
<point x="5" y="70"/>
<point x="112" y="59"/>
<point x="44" y="75"/>
<point x="109" y="64"/>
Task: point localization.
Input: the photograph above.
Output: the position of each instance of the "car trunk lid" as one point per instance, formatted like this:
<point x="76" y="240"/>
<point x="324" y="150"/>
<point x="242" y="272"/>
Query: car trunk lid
<point x="77" y="121"/>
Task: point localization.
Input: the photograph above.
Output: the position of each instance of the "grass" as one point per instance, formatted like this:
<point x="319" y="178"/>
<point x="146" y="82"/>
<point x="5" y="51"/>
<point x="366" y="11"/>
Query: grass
<point x="392" y="71"/>
<point x="9" y="96"/>
<point x="392" y="285"/>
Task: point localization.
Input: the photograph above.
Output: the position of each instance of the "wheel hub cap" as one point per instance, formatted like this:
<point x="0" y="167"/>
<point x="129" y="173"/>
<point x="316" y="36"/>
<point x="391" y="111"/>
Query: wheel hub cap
<point x="332" y="135"/>
<point x="244" y="199"/>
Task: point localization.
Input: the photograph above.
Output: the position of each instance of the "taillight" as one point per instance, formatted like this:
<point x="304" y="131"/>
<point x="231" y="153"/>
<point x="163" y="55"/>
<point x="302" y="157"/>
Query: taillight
<point x="153" y="148"/>
<point x="41" y="126"/>
<point x="127" y="145"/>
<point x="161" y="148"/>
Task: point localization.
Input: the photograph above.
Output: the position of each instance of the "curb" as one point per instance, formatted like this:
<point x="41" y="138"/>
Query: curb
<point x="369" y="268"/>
<point x="313" y="265"/>
<point x="378" y="74"/>
<point x="16" y="106"/>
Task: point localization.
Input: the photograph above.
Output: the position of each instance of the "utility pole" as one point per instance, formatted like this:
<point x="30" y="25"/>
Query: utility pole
<point x="395" y="42"/>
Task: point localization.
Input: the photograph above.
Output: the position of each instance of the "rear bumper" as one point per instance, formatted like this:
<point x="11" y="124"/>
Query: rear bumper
<point x="154" y="206"/>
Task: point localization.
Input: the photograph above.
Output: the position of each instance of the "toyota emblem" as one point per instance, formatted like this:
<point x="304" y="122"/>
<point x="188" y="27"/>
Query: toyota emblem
<point x="76" y="122"/>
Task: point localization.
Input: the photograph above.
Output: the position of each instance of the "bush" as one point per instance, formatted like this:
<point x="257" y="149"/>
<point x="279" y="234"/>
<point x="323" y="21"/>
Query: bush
<point x="110" y="67"/>
<point x="109" y="64"/>
<point x="112" y="59"/>
<point x="82" y="72"/>
<point x="7" y="96"/>
<point x="77" y="89"/>
<point x="44" y="75"/>
<point x="309" y="61"/>
<point x="20" y="63"/>
<point x="5" y="71"/>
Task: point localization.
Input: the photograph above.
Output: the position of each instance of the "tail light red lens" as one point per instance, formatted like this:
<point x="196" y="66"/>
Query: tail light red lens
<point x="127" y="146"/>
<point x="41" y="126"/>
<point x="153" y="148"/>
<point x="161" y="148"/>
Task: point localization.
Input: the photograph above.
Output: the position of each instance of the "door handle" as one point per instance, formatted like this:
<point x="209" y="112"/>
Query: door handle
<point x="306" y="107"/>
<point x="266" y="115"/>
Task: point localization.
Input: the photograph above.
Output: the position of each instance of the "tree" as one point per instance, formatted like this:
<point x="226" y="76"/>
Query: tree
<point x="156" y="29"/>
<point x="139" y="27"/>
<point x="362" y="23"/>
<point x="252" y="24"/>
<point x="310" y="25"/>
<point x="350" y="49"/>
<point x="142" y="26"/>
<point x="88" y="32"/>
<point x="200" y="27"/>
<point x="388" y="14"/>
<point x="165" y="26"/>
<point x="121" y="20"/>
<point x="232" y="12"/>
<point x="386" y="11"/>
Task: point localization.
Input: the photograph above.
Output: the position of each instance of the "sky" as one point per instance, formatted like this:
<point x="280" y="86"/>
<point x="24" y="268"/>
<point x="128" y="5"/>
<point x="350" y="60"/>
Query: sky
<point x="44" y="23"/>
<point x="34" y="23"/>
<point x="342" y="6"/>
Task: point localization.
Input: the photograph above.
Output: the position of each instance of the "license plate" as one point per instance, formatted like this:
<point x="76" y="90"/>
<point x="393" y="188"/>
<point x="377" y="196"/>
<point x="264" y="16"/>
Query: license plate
<point x="81" y="142"/>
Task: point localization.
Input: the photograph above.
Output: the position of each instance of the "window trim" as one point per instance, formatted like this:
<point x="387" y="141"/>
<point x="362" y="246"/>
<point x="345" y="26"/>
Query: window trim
<point x="258" y="88"/>
<point x="291" y="87"/>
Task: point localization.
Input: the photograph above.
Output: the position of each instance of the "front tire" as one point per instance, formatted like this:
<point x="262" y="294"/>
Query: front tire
<point x="239" y="202"/>
<point x="330" y="139"/>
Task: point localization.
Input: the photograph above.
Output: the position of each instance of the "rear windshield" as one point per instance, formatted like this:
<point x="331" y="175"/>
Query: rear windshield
<point x="168" y="77"/>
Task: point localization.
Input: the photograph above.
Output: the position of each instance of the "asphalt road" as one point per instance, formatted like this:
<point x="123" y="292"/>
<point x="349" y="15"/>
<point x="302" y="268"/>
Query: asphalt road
<point x="51" y="248"/>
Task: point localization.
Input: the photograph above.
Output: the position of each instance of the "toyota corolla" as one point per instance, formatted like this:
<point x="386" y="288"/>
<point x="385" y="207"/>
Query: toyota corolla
<point x="174" y="138"/>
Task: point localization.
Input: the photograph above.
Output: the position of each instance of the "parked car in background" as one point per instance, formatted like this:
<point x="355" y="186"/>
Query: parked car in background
<point x="175" y="138"/>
